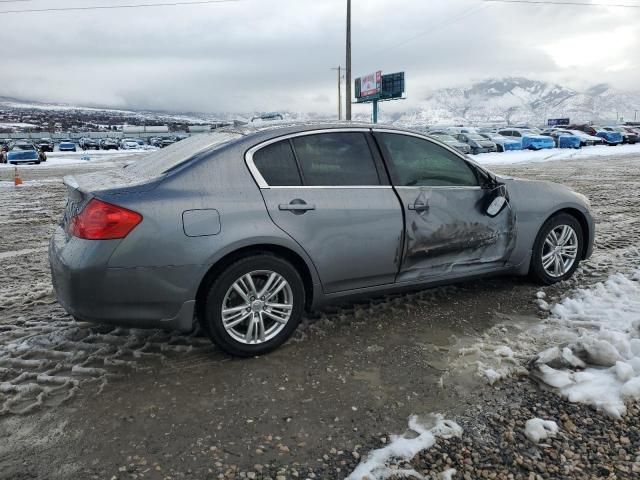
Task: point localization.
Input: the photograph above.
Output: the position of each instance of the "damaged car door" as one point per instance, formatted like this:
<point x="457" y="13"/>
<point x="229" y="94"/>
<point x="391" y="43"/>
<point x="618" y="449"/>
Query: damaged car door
<point x="328" y="190"/>
<point x="448" y="231"/>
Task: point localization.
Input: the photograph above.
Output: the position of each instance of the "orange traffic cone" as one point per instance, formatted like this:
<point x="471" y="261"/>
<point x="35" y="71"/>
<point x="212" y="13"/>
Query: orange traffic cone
<point x="16" y="178"/>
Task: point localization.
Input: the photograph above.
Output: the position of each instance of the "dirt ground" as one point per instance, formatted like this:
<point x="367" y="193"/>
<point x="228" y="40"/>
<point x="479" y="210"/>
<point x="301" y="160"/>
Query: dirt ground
<point x="86" y="401"/>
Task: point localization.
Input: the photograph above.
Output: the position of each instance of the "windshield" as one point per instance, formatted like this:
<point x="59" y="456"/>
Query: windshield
<point x="475" y="136"/>
<point x="444" y="138"/>
<point x="23" y="147"/>
<point x="494" y="136"/>
<point x="161" y="161"/>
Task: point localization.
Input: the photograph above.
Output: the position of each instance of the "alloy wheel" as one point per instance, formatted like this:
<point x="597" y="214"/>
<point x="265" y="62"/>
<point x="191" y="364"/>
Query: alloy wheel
<point x="560" y="250"/>
<point x="257" y="307"/>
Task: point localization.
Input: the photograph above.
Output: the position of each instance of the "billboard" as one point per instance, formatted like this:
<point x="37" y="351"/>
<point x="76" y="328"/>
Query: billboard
<point x="557" y="122"/>
<point x="379" y="87"/>
<point x="392" y="86"/>
<point x="370" y="85"/>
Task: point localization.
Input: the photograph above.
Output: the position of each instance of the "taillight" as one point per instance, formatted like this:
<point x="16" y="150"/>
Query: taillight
<point x="100" y="220"/>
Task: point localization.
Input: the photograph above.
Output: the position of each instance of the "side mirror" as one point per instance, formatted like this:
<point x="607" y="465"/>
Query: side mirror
<point x="496" y="201"/>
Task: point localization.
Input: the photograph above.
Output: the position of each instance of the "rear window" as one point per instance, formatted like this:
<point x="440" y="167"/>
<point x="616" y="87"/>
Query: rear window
<point x="161" y="161"/>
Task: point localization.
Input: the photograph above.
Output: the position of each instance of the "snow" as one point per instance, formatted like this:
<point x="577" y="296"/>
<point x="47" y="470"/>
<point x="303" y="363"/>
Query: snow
<point x="56" y="159"/>
<point x="531" y="156"/>
<point x="538" y="429"/>
<point x="421" y="436"/>
<point x="600" y="364"/>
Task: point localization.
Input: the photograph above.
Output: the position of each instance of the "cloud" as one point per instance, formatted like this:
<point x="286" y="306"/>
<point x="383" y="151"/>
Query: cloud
<point x="278" y="54"/>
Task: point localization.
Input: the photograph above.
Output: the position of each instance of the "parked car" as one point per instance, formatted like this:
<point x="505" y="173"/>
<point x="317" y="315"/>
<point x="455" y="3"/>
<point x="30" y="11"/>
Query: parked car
<point x="108" y="144"/>
<point x="477" y="143"/>
<point x="563" y="138"/>
<point x="627" y="136"/>
<point x="16" y="156"/>
<point x="586" y="140"/>
<point x="89" y="144"/>
<point x="166" y="141"/>
<point x="45" y="145"/>
<point x="608" y="137"/>
<point x="451" y="141"/>
<point x="503" y="143"/>
<point x="632" y="129"/>
<point x="247" y="229"/>
<point x="26" y="145"/>
<point x="67" y="146"/>
<point x="530" y="139"/>
<point x="128" y="144"/>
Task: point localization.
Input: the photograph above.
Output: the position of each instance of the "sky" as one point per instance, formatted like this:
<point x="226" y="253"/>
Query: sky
<point x="269" y="55"/>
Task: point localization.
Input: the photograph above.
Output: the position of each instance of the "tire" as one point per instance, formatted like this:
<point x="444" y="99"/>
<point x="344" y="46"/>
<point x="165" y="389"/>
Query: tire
<point x="537" y="270"/>
<point x="221" y="294"/>
<point x="500" y="149"/>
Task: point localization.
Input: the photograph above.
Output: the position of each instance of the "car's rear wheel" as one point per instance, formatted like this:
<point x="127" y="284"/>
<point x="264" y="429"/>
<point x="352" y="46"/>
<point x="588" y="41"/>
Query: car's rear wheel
<point x="254" y="305"/>
<point x="557" y="250"/>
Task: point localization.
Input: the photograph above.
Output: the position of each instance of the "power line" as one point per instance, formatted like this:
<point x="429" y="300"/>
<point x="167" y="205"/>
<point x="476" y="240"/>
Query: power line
<point x="553" y="2"/>
<point x="113" y="7"/>
<point x="438" y="25"/>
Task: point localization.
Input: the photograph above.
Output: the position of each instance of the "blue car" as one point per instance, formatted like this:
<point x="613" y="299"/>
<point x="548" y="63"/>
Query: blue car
<point x="564" y="138"/>
<point x="610" y="138"/>
<point x="504" y="144"/>
<point x="23" y="156"/>
<point x="530" y="140"/>
<point x="67" y="147"/>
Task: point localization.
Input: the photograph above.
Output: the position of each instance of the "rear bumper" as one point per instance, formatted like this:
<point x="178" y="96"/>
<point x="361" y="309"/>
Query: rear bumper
<point x="159" y="297"/>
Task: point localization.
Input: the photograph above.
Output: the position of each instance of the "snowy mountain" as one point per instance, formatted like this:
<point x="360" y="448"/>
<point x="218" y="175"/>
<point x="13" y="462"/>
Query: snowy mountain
<point x="521" y="100"/>
<point x="511" y="100"/>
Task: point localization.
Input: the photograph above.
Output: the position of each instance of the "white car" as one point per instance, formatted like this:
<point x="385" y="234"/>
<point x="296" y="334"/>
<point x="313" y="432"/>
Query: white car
<point x="129" y="145"/>
<point x="585" y="138"/>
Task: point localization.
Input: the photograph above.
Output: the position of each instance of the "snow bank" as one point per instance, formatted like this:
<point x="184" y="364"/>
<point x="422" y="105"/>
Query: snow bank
<point x="420" y="436"/>
<point x="538" y="429"/>
<point x="600" y="363"/>
<point x="530" y="156"/>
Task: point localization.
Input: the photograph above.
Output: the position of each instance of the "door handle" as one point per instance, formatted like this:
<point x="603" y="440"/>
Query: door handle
<point x="419" y="207"/>
<point x="296" y="207"/>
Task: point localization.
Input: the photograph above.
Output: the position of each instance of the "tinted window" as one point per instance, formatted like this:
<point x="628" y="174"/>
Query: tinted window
<point x="418" y="162"/>
<point x="336" y="159"/>
<point x="277" y="165"/>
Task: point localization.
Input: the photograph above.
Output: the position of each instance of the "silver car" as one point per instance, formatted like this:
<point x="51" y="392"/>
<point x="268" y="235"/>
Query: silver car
<point x="242" y="230"/>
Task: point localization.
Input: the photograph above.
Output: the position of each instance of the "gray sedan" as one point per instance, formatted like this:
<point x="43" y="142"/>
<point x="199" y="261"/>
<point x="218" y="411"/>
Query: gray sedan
<point x="242" y="230"/>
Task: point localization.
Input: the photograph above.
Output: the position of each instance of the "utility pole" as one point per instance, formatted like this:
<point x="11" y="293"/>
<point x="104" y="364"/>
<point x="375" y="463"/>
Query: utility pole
<point x="339" y="69"/>
<point x="348" y="72"/>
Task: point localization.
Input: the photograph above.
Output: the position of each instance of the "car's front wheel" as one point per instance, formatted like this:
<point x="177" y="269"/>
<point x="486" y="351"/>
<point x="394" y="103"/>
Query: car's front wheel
<point x="557" y="250"/>
<point x="254" y="305"/>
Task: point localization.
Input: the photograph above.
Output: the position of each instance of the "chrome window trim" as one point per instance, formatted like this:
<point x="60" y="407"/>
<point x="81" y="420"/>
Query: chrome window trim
<point x="333" y="187"/>
<point x="441" y="187"/>
<point x="262" y="183"/>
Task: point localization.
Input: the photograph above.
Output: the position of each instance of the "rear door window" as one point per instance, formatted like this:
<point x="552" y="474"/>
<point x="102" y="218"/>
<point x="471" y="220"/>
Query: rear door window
<point x="277" y="165"/>
<point x="336" y="159"/>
